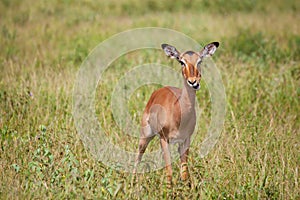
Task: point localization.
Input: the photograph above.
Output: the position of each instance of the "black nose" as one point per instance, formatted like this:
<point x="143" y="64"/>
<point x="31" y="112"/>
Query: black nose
<point x="196" y="87"/>
<point x="192" y="82"/>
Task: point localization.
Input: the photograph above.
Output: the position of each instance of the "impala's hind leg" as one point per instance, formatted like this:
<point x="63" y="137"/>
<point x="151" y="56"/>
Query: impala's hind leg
<point x="146" y="137"/>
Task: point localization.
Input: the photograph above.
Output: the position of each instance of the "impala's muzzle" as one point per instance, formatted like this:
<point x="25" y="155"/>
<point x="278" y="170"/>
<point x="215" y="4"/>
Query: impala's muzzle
<point x="194" y="84"/>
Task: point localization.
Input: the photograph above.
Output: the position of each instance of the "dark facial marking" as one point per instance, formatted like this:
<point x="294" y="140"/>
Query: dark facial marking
<point x="190" y="53"/>
<point x="191" y="69"/>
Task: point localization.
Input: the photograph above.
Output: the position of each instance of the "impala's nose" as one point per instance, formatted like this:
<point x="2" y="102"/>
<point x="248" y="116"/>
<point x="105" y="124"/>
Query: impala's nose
<point x="194" y="84"/>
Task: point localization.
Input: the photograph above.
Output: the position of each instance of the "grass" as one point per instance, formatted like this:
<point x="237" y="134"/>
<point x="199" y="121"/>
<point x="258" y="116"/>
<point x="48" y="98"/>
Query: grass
<point x="42" y="46"/>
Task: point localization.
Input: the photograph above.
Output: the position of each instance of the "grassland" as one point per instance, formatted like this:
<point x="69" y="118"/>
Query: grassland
<point x="43" y="44"/>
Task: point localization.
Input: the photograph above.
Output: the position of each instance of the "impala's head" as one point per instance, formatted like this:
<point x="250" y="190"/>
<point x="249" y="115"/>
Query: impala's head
<point x="191" y="61"/>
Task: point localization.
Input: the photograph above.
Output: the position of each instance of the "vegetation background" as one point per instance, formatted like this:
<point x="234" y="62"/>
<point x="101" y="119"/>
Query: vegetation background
<point x="43" y="44"/>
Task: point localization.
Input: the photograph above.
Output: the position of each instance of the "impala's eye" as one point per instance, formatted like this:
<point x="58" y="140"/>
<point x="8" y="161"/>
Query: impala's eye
<point x="199" y="63"/>
<point x="182" y="63"/>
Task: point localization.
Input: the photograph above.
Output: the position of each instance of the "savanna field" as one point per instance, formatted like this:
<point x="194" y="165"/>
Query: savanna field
<point x="42" y="46"/>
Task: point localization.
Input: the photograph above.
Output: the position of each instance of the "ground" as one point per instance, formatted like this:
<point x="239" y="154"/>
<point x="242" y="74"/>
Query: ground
<point x="43" y="44"/>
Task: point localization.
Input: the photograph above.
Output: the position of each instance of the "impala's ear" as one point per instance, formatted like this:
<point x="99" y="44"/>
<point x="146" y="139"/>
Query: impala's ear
<point x="209" y="49"/>
<point x="170" y="51"/>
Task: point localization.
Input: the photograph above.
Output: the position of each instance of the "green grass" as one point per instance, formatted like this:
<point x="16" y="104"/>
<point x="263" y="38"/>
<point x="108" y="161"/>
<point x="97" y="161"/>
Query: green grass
<point x="42" y="46"/>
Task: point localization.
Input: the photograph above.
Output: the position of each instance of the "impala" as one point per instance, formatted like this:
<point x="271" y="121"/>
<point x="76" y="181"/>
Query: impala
<point x="170" y="112"/>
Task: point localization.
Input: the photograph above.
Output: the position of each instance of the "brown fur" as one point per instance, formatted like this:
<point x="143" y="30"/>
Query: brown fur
<point x="170" y="112"/>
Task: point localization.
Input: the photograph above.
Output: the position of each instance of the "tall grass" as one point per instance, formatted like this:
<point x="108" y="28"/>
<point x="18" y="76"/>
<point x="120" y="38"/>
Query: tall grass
<point x="42" y="46"/>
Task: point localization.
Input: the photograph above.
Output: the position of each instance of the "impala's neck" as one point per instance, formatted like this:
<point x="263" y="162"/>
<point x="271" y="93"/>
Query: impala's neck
<point x="188" y="95"/>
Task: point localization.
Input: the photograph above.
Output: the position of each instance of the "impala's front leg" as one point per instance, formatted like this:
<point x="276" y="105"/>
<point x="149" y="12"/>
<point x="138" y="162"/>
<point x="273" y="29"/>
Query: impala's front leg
<point x="184" y="151"/>
<point x="167" y="157"/>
